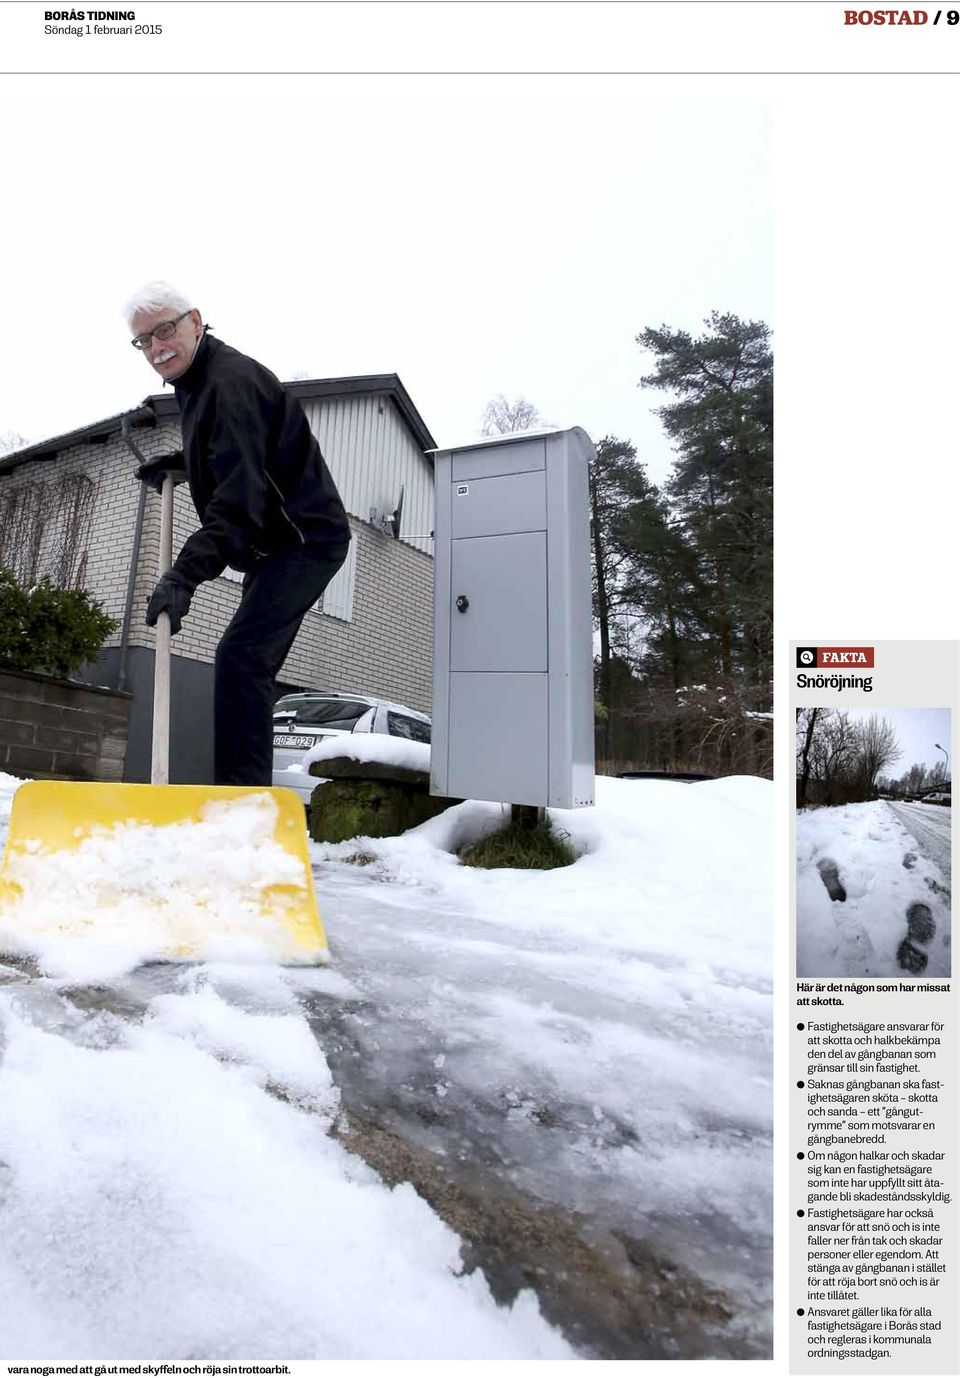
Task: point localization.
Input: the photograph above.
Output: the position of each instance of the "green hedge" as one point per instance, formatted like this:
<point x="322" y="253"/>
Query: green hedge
<point x="49" y="629"/>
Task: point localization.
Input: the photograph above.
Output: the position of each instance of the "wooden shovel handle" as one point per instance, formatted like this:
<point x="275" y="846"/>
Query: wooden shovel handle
<point x="160" y="760"/>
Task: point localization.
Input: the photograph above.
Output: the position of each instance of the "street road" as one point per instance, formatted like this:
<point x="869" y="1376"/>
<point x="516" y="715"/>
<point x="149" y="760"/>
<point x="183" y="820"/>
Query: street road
<point x="929" y="825"/>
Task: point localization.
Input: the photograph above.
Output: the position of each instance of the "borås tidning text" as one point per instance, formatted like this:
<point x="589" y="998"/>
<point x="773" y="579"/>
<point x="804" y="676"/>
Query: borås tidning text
<point x="81" y="22"/>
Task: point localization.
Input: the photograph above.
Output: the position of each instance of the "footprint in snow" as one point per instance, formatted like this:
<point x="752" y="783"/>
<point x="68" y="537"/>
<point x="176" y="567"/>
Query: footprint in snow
<point x="920" y="929"/>
<point x="920" y="923"/>
<point x="831" y="878"/>
<point x="909" y="861"/>
<point x="911" y="958"/>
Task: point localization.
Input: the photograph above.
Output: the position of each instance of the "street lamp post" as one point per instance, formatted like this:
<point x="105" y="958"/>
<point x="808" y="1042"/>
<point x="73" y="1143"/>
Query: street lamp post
<point x="946" y="762"/>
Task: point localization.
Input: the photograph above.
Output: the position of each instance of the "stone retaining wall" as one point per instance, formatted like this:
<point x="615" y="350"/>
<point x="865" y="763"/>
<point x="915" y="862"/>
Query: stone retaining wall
<point x="57" y="729"/>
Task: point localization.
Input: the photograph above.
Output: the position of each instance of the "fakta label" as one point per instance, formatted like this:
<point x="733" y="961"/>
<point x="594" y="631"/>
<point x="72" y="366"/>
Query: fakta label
<point x="835" y="657"/>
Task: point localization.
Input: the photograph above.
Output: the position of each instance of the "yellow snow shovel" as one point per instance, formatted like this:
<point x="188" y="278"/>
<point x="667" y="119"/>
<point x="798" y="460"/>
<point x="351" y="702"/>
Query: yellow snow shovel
<point x="159" y="871"/>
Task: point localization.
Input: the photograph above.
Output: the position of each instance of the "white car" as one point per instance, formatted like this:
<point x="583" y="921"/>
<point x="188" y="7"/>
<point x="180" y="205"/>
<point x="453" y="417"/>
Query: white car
<point x="300" y="721"/>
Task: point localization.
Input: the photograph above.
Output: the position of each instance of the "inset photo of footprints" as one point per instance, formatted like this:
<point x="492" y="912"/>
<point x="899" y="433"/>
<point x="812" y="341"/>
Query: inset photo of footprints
<point x="873" y="872"/>
<point x="870" y="900"/>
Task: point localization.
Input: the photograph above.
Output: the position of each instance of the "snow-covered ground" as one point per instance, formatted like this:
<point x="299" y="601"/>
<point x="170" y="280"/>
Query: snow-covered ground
<point x="871" y="899"/>
<point x="597" y="1036"/>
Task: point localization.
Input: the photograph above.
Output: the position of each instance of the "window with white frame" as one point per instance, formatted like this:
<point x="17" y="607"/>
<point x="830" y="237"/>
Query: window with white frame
<point x="337" y="600"/>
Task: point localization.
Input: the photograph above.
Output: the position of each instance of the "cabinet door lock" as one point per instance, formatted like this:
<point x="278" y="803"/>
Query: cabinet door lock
<point x="463" y="602"/>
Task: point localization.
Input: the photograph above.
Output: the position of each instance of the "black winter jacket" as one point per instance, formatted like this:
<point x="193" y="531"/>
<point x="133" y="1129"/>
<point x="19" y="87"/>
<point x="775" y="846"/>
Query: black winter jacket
<point x="257" y="477"/>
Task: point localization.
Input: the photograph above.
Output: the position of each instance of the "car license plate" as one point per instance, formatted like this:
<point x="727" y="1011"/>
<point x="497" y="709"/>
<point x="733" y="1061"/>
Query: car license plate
<point x="293" y="743"/>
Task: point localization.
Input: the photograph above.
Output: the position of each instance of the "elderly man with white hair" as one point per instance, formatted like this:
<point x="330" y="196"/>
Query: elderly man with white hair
<point x="267" y="506"/>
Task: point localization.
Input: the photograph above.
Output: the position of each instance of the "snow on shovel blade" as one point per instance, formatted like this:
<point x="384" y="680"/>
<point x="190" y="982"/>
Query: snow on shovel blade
<point x="98" y="878"/>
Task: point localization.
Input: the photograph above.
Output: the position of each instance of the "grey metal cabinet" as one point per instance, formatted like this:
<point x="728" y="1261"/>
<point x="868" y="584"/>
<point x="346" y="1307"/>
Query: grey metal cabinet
<point x="513" y="660"/>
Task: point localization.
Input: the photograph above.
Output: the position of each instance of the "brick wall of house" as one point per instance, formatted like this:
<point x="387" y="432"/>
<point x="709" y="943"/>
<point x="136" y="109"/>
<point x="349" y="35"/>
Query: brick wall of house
<point x="109" y="541"/>
<point x="107" y="509"/>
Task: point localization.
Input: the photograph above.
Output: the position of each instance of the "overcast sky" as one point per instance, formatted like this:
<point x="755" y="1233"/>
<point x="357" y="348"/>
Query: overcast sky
<point x="475" y="237"/>
<point x="917" y="729"/>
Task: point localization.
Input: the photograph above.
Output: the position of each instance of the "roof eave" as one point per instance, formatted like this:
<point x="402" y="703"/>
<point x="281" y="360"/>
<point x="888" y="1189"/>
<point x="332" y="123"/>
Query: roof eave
<point x="159" y="407"/>
<point x="306" y="389"/>
<point x="98" y="433"/>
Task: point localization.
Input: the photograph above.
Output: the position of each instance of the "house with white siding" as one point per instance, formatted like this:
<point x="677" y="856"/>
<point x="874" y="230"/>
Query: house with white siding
<point x="72" y="507"/>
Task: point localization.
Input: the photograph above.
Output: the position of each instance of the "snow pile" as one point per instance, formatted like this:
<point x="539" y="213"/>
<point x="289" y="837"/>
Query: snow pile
<point x="277" y="1049"/>
<point x="663" y="867"/>
<point x="9" y="784"/>
<point x="883" y="873"/>
<point x="371" y="746"/>
<point x="158" y="1203"/>
<point x="137" y="891"/>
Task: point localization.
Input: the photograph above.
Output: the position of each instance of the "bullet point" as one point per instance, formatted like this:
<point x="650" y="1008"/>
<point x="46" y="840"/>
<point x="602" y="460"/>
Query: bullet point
<point x="801" y="1212"/>
<point x="800" y="1311"/>
<point x="800" y="1085"/>
<point x="800" y="1026"/>
<point x="801" y="1155"/>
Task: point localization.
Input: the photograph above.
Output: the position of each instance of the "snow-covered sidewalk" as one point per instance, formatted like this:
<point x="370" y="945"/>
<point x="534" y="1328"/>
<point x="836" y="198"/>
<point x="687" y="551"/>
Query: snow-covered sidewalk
<point x="597" y="1036"/>
<point x="869" y="902"/>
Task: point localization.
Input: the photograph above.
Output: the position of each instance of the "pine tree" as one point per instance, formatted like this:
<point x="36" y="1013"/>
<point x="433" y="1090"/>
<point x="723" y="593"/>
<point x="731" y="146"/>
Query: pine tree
<point x="721" y="424"/>
<point x="647" y="598"/>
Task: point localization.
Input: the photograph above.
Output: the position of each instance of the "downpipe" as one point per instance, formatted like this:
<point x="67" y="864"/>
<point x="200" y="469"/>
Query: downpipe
<point x="134" y="559"/>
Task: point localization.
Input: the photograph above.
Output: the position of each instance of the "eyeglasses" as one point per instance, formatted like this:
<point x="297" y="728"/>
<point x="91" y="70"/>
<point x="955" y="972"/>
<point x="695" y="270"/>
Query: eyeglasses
<point x="163" y="331"/>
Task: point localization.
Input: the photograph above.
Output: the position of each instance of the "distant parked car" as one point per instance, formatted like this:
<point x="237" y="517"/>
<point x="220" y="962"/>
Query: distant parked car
<point x="687" y="776"/>
<point x="300" y="721"/>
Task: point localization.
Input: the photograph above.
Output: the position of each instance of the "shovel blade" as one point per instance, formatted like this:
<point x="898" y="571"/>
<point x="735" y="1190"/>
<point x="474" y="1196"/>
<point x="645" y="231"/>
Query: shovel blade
<point x="165" y="872"/>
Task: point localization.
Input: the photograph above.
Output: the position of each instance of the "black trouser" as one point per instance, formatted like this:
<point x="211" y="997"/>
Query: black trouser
<point x="276" y="597"/>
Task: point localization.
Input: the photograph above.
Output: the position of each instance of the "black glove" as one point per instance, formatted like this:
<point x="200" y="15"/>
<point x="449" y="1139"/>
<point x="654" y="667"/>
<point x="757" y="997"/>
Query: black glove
<point x="155" y="470"/>
<point x="171" y="595"/>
